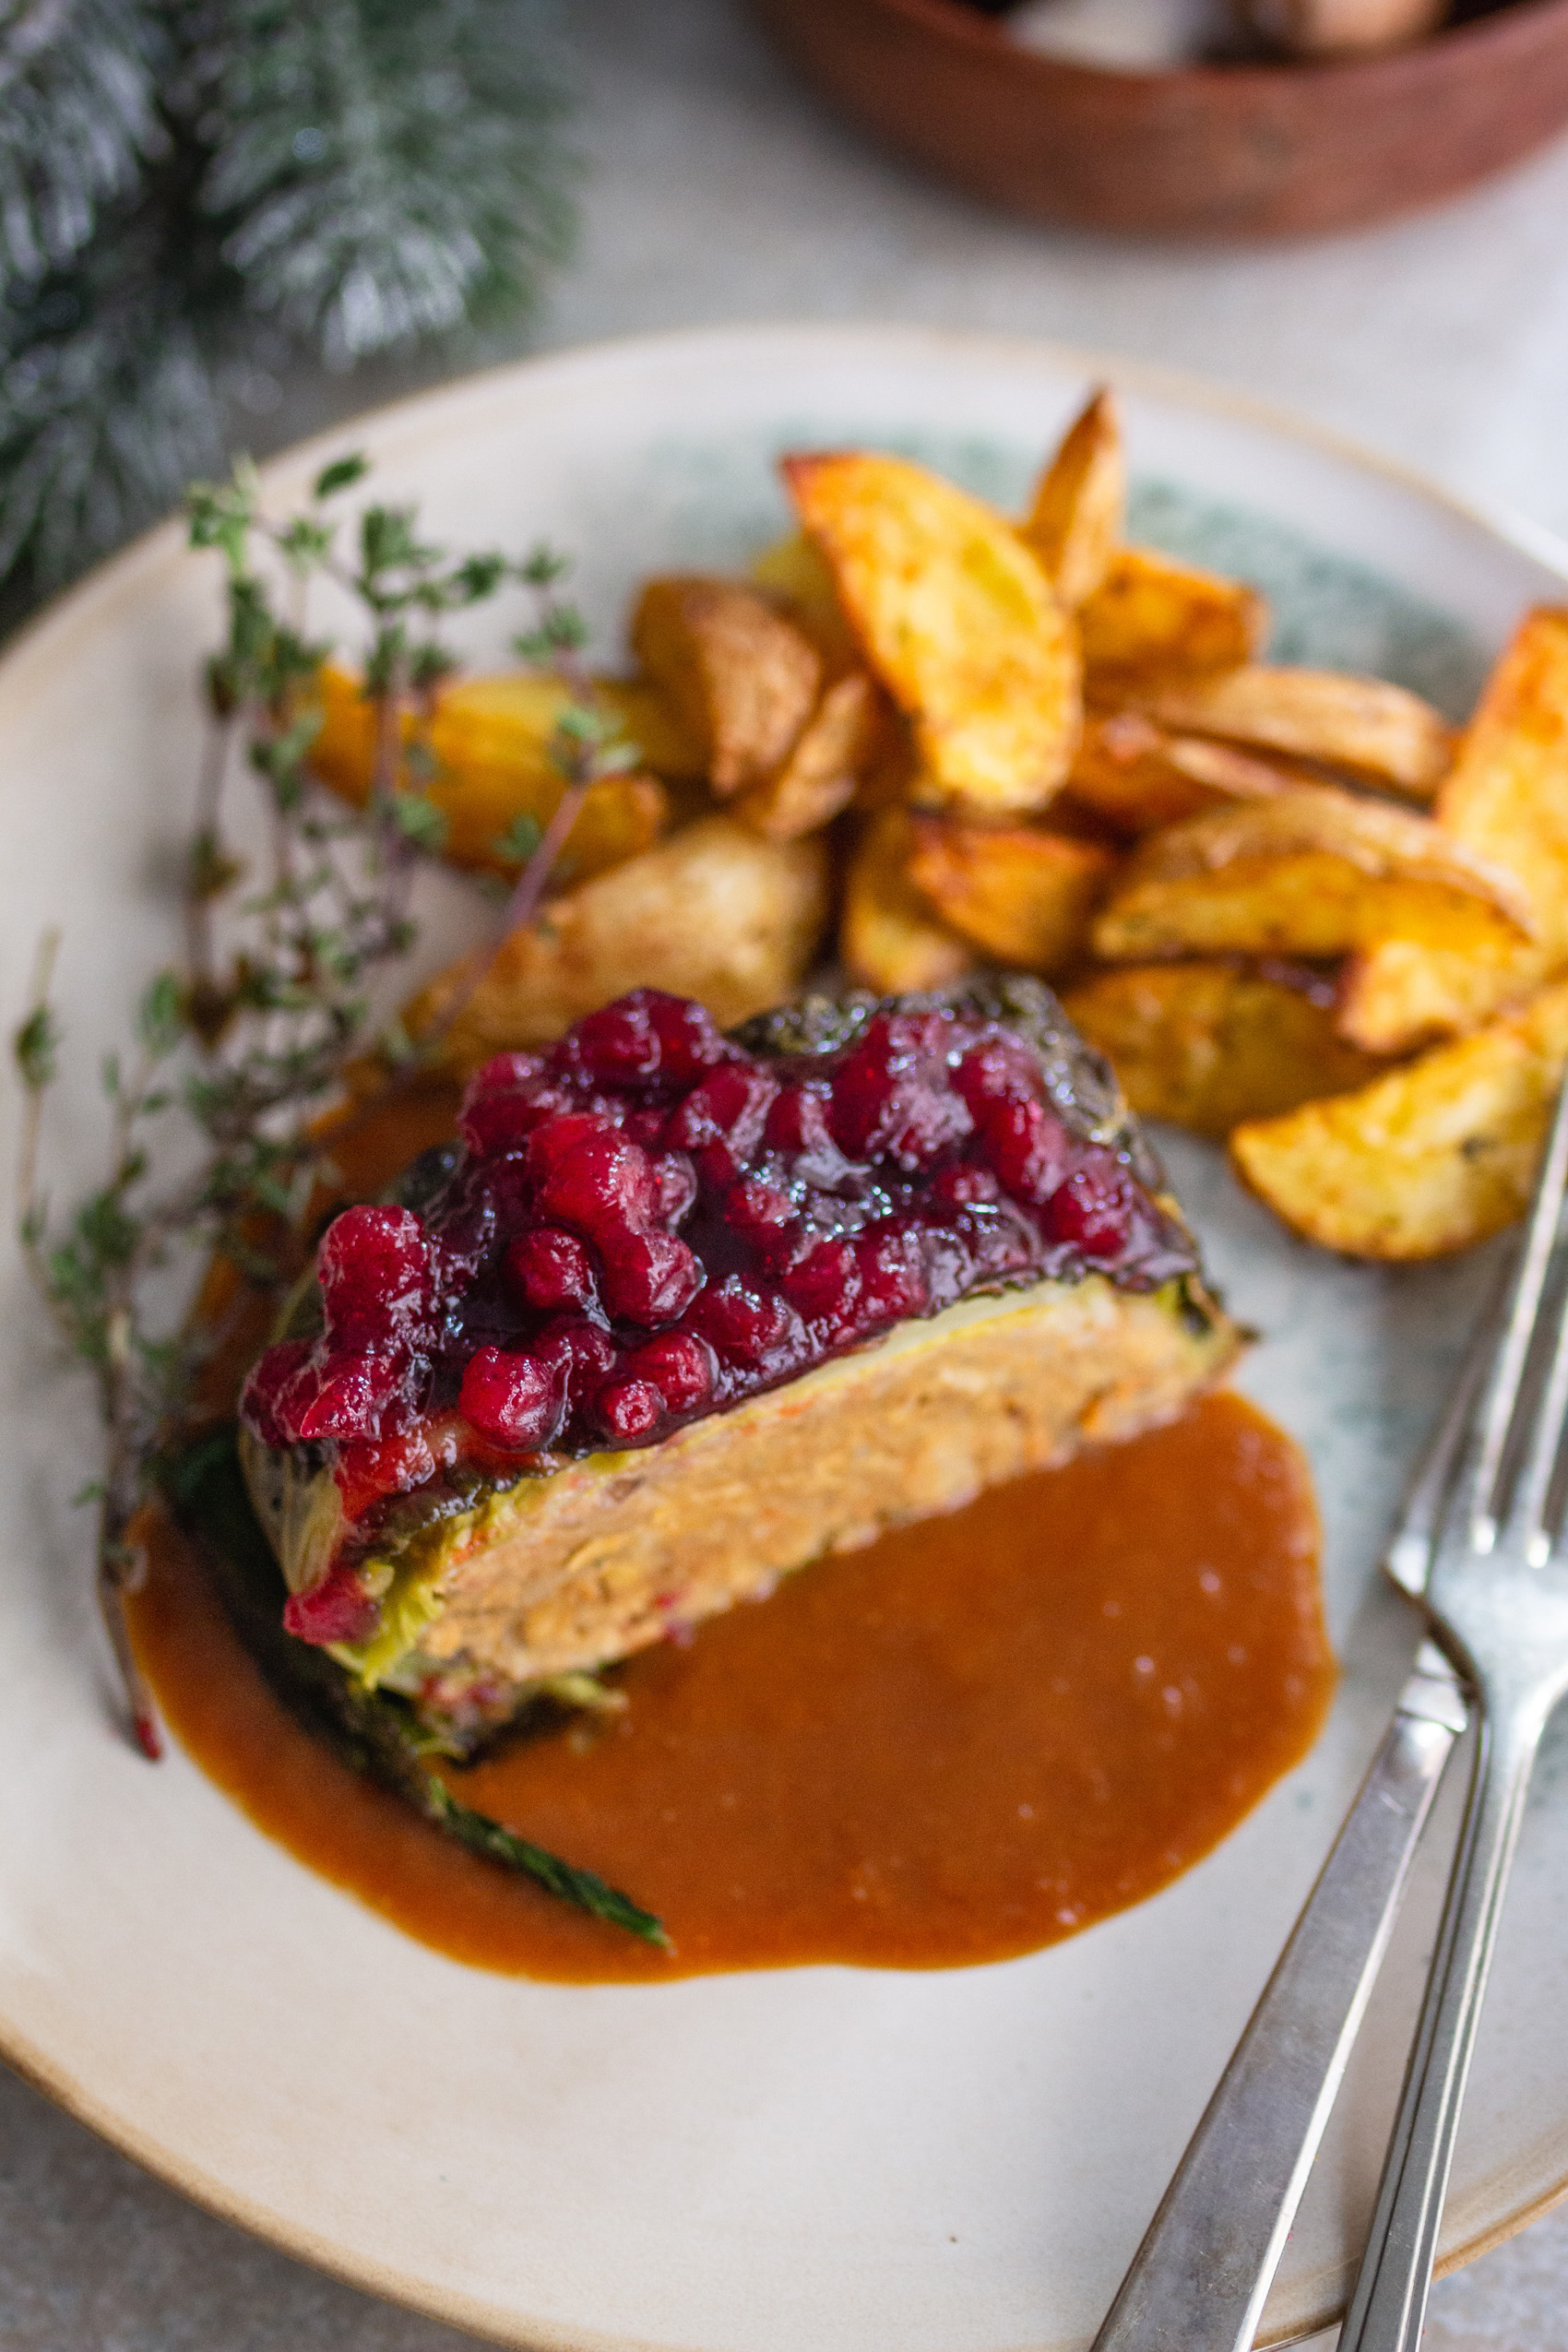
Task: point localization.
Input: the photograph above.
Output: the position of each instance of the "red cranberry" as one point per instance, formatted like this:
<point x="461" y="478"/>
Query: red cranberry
<point x="749" y="1327"/>
<point x="614" y="1047"/>
<point x="644" y="1128"/>
<point x="577" y="1355"/>
<point x="689" y="1040"/>
<point x="1028" y="1145"/>
<point x="798" y="1121"/>
<point x="763" y="1216"/>
<point x="723" y="1117"/>
<point x="962" y="1187"/>
<point x="649" y="1278"/>
<point x="514" y="1400"/>
<point x="368" y="1468"/>
<point x="643" y="1036"/>
<point x="892" y="1098"/>
<point x="1094" y="1209"/>
<point x="351" y="1393"/>
<point x="825" y="1285"/>
<point x="593" y="1179"/>
<point x="270" y="1397"/>
<point x="549" y="1269"/>
<point x="337" y="1609"/>
<point x="893" y="1282"/>
<point x="502" y="1074"/>
<point x="502" y="1122"/>
<point x="1001" y="1065"/>
<point x="629" y="1409"/>
<point x="680" y="1366"/>
<point x="677" y="1182"/>
<point x="374" y="1265"/>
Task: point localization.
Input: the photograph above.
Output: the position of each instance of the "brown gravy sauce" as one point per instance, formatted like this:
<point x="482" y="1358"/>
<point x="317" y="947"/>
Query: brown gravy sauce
<point x="974" y="1737"/>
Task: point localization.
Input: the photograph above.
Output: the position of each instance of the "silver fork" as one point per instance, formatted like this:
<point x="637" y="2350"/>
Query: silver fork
<point x="1201" y="2276"/>
<point x="1497" y="1594"/>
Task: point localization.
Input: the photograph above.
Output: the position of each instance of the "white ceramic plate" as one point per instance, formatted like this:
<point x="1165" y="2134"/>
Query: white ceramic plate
<point x="949" y="2162"/>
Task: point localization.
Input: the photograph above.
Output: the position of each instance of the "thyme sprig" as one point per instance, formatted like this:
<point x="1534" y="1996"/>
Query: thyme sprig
<point x="242" y="1045"/>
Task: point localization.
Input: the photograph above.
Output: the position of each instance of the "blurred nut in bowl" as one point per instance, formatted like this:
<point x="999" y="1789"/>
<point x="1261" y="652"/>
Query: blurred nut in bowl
<point x="1340" y="28"/>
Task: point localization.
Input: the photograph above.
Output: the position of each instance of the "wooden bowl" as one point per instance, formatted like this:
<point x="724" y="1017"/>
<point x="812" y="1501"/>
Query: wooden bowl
<point x="1201" y="152"/>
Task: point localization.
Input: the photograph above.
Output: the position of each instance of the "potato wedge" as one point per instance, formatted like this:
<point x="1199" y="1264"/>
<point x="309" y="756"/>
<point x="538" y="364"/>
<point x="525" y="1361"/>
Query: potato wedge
<point x="888" y="937"/>
<point x="1434" y="1157"/>
<point x="1151" y="616"/>
<point x="530" y="705"/>
<point x="957" y="621"/>
<point x="1075" y="524"/>
<point x="820" y="774"/>
<point x="1207" y="1044"/>
<point x="796" y="573"/>
<point x="1311" y="872"/>
<point x="1022" y="896"/>
<point x="740" y="674"/>
<point x="714" y="912"/>
<point x="1138" y="776"/>
<point x="1508" y="798"/>
<point x="1367" y="728"/>
<point x="489" y="743"/>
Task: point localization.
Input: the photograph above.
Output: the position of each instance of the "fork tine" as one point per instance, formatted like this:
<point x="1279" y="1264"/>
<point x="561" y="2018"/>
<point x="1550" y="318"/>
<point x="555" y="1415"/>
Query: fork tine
<point x="1502" y="1401"/>
<point x="1409" y="1557"/>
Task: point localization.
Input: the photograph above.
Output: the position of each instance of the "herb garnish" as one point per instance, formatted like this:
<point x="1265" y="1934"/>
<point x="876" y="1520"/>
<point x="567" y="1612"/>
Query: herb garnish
<point x="242" y="1045"/>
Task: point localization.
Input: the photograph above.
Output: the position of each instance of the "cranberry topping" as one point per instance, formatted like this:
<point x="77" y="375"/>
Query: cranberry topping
<point x="515" y="1400"/>
<point x="550" y="1268"/>
<point x="649" y="1223"/>
<point x="337" y="1609"/>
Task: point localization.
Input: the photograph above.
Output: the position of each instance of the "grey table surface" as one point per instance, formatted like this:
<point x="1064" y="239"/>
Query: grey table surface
<point x="717" y="188"/>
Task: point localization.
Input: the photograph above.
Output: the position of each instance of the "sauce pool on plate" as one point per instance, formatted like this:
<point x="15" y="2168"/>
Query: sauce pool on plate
<point x="975" y="1736"/>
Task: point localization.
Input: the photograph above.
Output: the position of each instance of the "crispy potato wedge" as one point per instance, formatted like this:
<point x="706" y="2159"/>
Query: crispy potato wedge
<point x="742" y="675"/>
<point x="489" y="744"/>
<point x="820" y="774"/>
<point x="795" y="572"/>
<point x="1207" y="1044"/>
<point x="1364" y="727"/>
<point x="1508" y="798"/>
<point x="1137" y="776"/>
<point x="1433" y="1157"/>
<point x="1311" y="872"/>
<point x="1151" y="616"/>
<point x="531" y="704"/>
<point x="1075" y="524"/>
<point x="714" y="912"/>
<point x="888" y="937"/>
<point x="957" y="621"/>
<point x="1022" y="896"/>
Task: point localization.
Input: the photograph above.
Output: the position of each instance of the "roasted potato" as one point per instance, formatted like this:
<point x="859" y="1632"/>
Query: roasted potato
<point x="960" y="623"/>
<point x="1021" y="896"/>
<point x="1138" y="776"/>
<point x="1207" y="1044"/>
<point x="1311" y="872"/>
<point x="530" y="705"/>
<point x="739" y="673"/>
<point x="1507" y="798"/>
<point x="1433" y="1157"/>
<point x="794" y="571"/>
<point x="1152" y="617"/>
<point x="714" y="912"/>
<point x="1363" y="727"/>
<point x="888" y="938"/>
<point x="1074" y="523"/>
<point x="489" y="743"/>
<point x="820" y="774"/>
